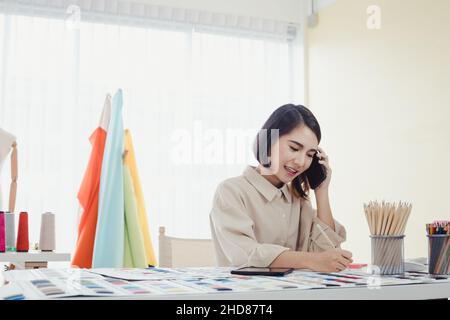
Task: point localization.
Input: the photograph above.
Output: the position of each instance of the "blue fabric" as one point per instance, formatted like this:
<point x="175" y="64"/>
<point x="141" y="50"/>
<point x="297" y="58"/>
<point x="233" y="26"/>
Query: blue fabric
<point x="109" y="236"/>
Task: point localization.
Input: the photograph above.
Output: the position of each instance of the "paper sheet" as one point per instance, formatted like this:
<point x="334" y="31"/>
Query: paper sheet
<point x="138" y="274"/>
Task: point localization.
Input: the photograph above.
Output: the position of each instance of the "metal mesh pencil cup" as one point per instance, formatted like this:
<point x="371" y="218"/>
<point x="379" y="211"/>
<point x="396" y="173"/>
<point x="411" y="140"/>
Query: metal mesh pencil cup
<point x="388" y="254"/>
<point x="439" y="254"/>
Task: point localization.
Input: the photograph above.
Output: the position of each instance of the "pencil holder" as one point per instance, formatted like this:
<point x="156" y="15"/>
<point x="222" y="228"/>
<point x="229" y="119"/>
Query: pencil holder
<point x="388" y="254"/>
<point x="439" y="254"/>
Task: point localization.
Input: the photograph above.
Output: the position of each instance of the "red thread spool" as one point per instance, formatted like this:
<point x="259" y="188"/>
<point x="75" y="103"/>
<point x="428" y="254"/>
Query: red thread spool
<point x="22" y="236"/>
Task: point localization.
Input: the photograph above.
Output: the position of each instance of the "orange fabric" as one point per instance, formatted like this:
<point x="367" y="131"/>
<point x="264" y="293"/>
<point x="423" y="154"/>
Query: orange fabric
<point x="88" y="198"/>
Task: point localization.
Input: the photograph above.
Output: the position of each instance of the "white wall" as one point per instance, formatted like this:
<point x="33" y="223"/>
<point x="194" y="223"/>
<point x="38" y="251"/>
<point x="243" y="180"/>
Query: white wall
<point x="281" y="10"/>
<point x="383" y="100"/>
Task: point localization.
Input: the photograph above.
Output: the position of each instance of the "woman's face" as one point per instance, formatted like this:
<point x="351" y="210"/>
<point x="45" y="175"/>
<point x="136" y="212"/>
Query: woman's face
<point x="292" y="154"/>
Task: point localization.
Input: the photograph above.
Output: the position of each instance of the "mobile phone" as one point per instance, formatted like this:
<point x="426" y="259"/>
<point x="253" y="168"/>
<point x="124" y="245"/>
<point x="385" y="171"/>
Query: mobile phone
<point x="253" y="271"/>
<point x="316" y="173"/>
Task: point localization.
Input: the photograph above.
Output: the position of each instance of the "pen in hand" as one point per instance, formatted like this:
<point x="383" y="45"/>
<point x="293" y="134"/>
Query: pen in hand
<point x="325" y="236"/>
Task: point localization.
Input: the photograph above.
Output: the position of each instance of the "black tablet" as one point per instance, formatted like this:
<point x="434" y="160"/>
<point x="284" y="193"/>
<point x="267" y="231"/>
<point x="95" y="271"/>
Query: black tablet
<point x="253" y="271"/>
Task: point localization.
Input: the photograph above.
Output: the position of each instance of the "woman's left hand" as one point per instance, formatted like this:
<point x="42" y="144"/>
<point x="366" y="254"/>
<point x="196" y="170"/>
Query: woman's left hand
<point x="324" y="160"/>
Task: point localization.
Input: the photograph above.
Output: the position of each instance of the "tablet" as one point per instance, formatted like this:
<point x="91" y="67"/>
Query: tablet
<point x="253" y="271"/>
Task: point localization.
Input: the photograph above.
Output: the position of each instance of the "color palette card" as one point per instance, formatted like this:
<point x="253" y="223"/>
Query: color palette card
<point x="134" y="274"/>
<point x="205" y="272"/>
<point x="254" y="283"/>
<point x="43" y="289"/>
<point x="32" y="274"/>
<point x="346" y="279"/>
<point x="168" y="287"/>
<point x="50" y="289"/>
<point x="423" y="277"/>
<point x="384" y="280"/>
<point x="307" y="282"/>
<point x="12" y="291"/>
<point x="325" y="280"/>
<point x="112" y="287"/>
<point x="239" y="284"/>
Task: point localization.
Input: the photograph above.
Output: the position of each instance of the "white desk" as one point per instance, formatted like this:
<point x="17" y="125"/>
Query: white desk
<point x="21" y="259"/>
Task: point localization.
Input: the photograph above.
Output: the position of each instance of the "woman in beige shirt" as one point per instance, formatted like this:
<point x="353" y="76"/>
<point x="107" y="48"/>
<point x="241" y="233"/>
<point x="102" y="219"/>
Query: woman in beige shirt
<point x="264" y="218"/>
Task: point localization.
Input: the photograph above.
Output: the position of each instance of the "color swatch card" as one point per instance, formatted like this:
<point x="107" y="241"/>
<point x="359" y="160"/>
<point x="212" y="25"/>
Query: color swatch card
<point x="377" y="280"/>
<point x="168" y="287"/>
<point x="350" y="278"/>
<point x="12" y="291"/>
<point x="253" y="283"/>
<point x="50" y="289"/>
<point x="205" y="272"/>
<point x="38" y="289"/>
<point x="423" y="277"/>
<point x="63" y="274"/>
<point x="320" y="281"/>
<point x="112" y="287"/>
<point x="138" y="274"/>
<point x="239" y="284"/>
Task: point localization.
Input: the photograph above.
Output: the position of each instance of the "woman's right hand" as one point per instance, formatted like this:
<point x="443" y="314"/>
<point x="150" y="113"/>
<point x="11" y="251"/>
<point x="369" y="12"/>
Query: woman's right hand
<point x="333" y="260"/>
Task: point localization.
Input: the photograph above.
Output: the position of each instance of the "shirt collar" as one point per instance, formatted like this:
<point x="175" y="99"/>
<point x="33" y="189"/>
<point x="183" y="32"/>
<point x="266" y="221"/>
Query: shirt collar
<point x="267" y="189"/>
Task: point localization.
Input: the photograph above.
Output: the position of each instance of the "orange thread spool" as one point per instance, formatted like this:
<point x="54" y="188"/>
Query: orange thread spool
<point x="22" y="244"/>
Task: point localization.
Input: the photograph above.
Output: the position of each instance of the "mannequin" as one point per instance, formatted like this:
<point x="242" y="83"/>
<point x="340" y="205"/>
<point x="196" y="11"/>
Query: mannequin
<point x="8" y="145"/>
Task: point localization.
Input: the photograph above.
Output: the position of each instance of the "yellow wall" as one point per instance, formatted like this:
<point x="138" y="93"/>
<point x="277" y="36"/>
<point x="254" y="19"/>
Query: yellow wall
<point x="383" y="100"/>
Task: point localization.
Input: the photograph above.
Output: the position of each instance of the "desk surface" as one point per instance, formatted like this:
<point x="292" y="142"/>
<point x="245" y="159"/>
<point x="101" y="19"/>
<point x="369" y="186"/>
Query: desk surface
<point x="410" y="291"/>
<point x="33" y="256"/>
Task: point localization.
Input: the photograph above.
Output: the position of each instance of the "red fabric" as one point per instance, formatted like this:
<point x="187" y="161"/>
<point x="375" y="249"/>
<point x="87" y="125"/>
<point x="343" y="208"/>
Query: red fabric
<point x="88" y="198"/>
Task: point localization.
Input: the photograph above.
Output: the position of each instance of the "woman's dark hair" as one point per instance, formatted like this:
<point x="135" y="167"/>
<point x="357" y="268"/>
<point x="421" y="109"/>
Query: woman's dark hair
<point x="282" y="121"/>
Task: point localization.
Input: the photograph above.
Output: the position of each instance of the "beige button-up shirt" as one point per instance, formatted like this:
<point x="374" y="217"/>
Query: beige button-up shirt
<point x="253" y="222"/>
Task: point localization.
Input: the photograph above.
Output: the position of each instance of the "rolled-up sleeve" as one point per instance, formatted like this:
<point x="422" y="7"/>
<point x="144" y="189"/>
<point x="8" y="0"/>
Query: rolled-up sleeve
<point x="233" y="234"/>
<point x="318" y="242"/>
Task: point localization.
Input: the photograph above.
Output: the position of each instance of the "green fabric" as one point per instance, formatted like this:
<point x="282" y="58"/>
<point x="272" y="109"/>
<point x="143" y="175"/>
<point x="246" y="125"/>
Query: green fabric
<point x="134" y="248"/>
<point x="127" y="259"/>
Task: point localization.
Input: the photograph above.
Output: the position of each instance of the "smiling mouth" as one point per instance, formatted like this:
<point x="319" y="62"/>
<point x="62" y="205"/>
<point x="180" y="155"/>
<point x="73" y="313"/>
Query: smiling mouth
<point x="290" y="170"/>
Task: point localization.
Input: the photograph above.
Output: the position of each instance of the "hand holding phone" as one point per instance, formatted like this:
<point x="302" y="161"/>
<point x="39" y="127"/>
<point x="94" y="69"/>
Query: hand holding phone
<point x="317" y="173"/>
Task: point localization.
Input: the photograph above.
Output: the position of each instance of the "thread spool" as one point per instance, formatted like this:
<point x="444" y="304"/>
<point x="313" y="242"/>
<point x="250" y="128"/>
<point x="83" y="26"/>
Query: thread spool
<point x="22" y="234"/>
<point x="47" y="235"/>
<point x="2" y="232"/>
<point x="10" y="228"/>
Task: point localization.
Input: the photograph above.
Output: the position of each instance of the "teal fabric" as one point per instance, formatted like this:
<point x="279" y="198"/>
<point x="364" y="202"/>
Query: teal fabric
<point x="109" y="236"/>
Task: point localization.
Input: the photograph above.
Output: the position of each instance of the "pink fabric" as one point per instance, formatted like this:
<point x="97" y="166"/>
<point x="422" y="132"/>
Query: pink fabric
<point x="2" y="233"/>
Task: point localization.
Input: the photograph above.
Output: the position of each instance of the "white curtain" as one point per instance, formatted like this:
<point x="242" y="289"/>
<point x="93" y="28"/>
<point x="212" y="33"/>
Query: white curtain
<point x="193" y="101"/>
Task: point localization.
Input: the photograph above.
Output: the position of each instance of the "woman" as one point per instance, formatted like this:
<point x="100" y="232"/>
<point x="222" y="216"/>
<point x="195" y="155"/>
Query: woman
<point x="264" y="218"/>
